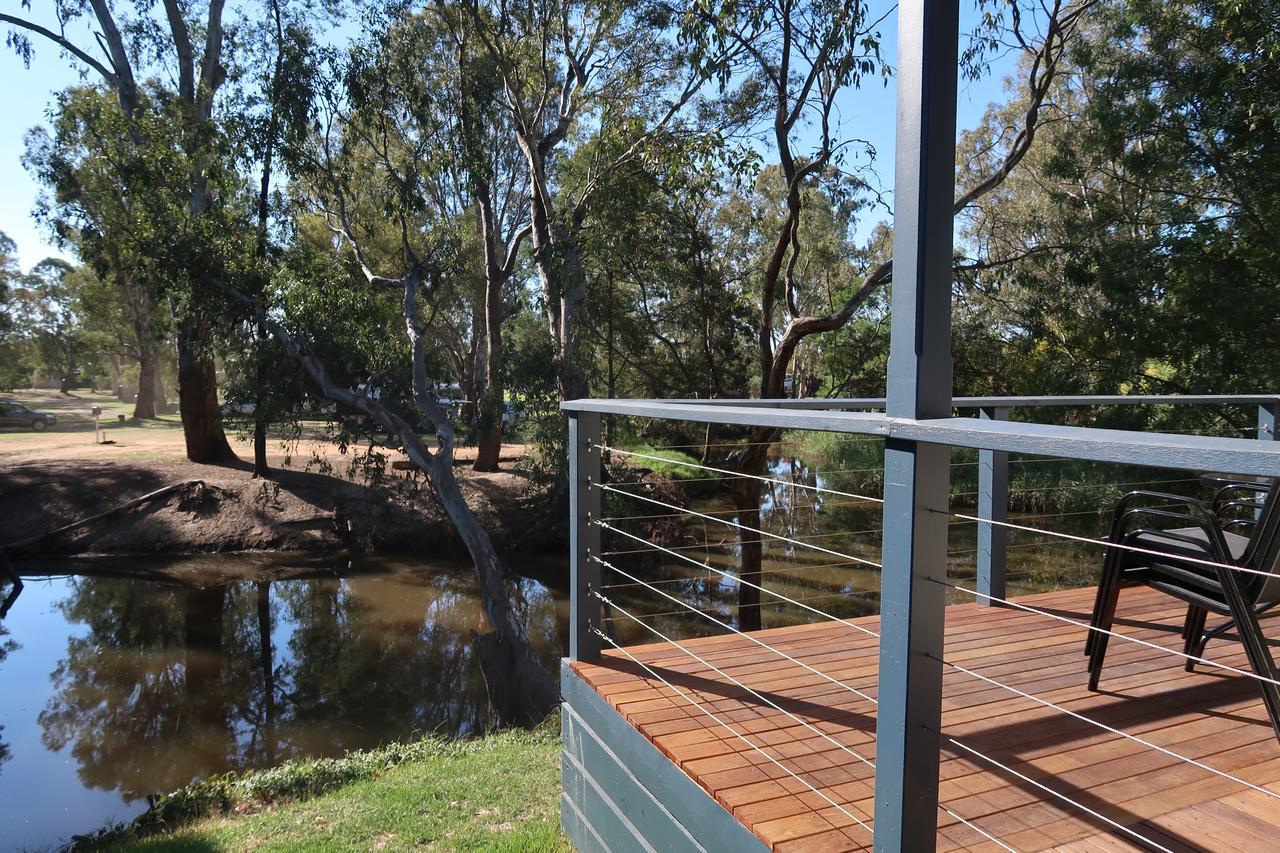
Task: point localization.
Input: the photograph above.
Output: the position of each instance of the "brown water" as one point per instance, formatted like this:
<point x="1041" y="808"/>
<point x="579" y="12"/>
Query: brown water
<point x="116" y="686"/>
<point x="839" y="578"/>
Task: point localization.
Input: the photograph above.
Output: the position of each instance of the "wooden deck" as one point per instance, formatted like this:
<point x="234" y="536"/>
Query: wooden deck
<point x="1211" y="715"/>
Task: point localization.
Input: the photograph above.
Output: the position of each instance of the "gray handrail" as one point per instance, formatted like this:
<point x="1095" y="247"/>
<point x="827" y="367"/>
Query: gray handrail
<point x="877" y="403"/>
<point x="995" y="437"/>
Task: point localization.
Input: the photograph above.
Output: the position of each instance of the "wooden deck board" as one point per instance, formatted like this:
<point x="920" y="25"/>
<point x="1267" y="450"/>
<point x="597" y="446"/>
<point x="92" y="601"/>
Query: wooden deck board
<point x="1211" y="715"/>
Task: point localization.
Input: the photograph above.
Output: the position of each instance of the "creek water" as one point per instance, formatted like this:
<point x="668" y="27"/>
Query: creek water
<point x="125" y="678"/>
<point x="121" y="679"/>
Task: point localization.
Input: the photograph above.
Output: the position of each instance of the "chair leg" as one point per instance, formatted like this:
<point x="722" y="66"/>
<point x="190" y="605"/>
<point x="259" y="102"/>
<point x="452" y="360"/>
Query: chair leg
<point x="1105" y="619"/>
<point x="1255" y="646"/>
<point x="1109" y="577"/>
<point x="1193" y="633"/>
<point x="1099" y="599"/>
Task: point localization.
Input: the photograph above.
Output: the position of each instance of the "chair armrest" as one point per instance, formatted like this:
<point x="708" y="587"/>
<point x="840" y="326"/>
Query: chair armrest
<point x="1221" y="498"/>
<point x="1214" y="545"/>
<point x="1123" y="506"/>
<point x="1239" y="504"/>
<point x="1164" y="497"/>
<point x="1200" y="545"/>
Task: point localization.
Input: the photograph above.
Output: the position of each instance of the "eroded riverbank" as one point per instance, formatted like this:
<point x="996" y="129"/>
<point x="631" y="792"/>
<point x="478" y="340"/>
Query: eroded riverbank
<point x="221" y="509"/>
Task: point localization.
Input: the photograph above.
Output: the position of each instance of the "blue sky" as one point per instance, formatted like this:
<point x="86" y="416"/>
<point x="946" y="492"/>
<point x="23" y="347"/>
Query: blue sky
<point x="866" y="114"/>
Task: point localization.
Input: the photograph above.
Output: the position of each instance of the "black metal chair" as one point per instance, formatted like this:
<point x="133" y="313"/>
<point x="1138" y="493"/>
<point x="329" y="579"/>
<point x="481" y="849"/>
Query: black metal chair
<point x="1145" y="519"/>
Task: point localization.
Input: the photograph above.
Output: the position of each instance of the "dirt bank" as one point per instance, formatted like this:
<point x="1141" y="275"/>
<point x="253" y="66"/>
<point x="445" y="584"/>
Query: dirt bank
<point x="224" y="509"/>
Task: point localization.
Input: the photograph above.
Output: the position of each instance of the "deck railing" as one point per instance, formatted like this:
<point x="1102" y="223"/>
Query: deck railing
<point x="914" y="581"/>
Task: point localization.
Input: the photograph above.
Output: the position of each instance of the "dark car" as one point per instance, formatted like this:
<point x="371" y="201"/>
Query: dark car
<point x="17" y="415"/>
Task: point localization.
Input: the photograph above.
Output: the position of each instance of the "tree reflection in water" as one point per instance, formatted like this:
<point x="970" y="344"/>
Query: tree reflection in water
<point x="167" y="684"/>
<point x="7" y="646"/>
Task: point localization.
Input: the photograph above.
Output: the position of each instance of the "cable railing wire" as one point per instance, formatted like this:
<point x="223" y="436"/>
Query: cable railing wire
<point x="763" y="479"/>
<point x="862" y="595"/>
<point x="742" y="581"/>
<point x="734" y="543"/>
<point x="1019" y="606"/>
<point x="824" y="735"/>
<point x="763" y="571"/>
<point x="1015" y="489"/>
<point x="826" y="505"/>
<point x="726" y="626"/>
<point x="1056" y="794"/>
<point x="1152" y="552"/>
<point x="1101" y="725"/>
<point x="786" y="483"/>
<point x="737" y="526"/>
<point x="698" y="705"/>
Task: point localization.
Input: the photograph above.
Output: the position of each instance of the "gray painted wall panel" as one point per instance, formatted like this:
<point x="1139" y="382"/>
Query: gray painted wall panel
<point x="593" y="757"/>
<point x="581" y="834"/>
<point x="600" y="808"/>
<point x="599" y="742"/>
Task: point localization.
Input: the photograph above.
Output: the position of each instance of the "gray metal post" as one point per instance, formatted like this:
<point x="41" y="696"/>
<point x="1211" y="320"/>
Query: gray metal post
<point x="1267" y="421"/>
<point x="584" y="536"/>
<point x="993" y="503"/>
<point x="916" y="474"/>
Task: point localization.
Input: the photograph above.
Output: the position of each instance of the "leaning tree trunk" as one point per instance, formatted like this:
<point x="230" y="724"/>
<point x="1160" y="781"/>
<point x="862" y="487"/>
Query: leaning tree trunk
<point x="144" y="406"/>
<point x="519" y="687"/>
<point x="512" y="669"/>
<point x="198" y="396"/>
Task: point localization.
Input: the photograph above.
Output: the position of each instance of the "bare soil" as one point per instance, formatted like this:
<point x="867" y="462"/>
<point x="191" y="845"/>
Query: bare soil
<point x="316" y="498"/>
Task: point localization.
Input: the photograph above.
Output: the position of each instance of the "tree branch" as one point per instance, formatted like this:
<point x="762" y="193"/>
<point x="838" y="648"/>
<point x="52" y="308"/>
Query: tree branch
<point x="64" y="43"/>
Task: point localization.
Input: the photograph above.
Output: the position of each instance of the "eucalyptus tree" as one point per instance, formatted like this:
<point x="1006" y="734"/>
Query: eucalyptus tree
<point x="110" y="183"/>
<point x="49" y="315"/>
<point x="10" y="373"/>
<point x="1136" y="252"/>
<point x="122" y="48"/>
<point x="669" y="314"/>
<point x="419" y="102"/>
<point x="270" y="110"/>
<point x="799" y="57"/>
<point x="385" y="172"/>
<point x="599" y="85"/>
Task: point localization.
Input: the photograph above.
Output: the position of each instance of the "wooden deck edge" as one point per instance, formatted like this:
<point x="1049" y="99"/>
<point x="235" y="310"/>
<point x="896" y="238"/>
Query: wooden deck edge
<point x="621" y="793"/>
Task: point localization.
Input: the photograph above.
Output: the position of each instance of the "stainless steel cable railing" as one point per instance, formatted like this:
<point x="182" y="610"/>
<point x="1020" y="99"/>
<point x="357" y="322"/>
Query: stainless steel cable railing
<point x="806" y="577"/>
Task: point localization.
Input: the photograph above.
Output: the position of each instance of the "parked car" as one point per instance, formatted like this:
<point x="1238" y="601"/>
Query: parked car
<point x="232" y="408"/>
<point x="17" y="415"/>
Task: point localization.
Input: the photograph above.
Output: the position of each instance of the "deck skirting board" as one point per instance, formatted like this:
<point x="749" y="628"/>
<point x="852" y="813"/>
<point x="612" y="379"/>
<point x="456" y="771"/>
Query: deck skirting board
<point x="622" y="793"/>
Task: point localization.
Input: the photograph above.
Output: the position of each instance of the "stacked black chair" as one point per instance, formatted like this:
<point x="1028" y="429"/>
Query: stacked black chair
<point x="1232" y="531"/>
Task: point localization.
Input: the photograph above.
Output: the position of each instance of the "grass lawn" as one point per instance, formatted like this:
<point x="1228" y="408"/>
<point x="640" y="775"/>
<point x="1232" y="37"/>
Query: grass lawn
<point x="496" y="793"/>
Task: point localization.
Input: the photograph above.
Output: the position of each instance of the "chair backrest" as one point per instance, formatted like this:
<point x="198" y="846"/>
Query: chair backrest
<point x="1263" y="551"/>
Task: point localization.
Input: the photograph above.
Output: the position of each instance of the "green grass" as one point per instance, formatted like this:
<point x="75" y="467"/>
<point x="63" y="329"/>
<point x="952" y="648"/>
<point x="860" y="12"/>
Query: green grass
<point x="500" y="792"/>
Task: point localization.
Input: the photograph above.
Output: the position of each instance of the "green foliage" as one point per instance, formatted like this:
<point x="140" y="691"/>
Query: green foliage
<point x="1133" y="250"/>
